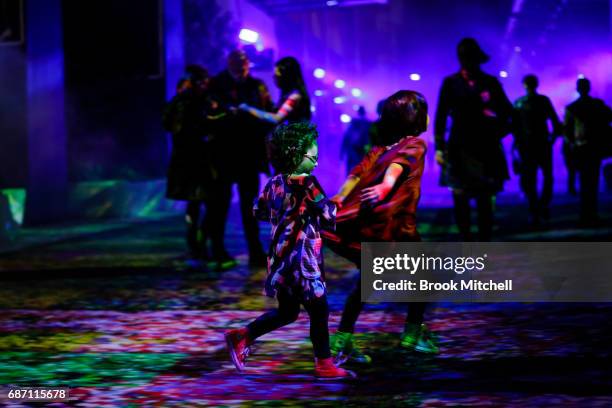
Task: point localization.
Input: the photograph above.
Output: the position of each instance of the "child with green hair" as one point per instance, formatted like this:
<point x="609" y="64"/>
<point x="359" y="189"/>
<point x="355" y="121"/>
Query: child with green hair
<point x="296" y="206"/>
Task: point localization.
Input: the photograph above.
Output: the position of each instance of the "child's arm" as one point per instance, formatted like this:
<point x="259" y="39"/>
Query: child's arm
<point x="320" y="205"/>
<point x="379" y="192"/>
<point x="345" y="190"/>
<point x="355" y="176"/>
<point x="261" y="208"/>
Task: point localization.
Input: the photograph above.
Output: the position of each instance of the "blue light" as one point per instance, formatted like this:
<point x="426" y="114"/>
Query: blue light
<point x="339" y="83"/>
<point x="318" y="92"/>
<point x="319" y="73"/>
<point x="339" y="99"/>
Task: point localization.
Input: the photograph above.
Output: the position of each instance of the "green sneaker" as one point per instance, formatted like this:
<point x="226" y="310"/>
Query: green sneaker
<point x="344" y="348"/>
<point x="419" y="338"/>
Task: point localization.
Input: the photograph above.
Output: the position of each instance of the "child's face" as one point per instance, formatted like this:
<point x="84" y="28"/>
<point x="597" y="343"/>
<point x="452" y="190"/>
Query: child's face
<point x="310" y="160"/>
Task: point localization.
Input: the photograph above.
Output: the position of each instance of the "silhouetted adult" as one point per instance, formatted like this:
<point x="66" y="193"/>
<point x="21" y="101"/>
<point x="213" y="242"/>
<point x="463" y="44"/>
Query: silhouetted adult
<point x="533" y="141"/>
<point x="242" y="149"/>
<point x="356" y="140"/>
<point x="191" y="177"/>
<point x="472" y="158"/>
<point x="587" y="124"/>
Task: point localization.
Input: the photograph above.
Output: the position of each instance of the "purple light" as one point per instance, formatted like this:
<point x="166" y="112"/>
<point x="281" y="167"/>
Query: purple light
<point x="332" y="3"/>
<point x="339" y="83"/>
<point x="356" y="92"/>
<point x="318" y="92"/>
<point x="503" y="74"/>
<point x="415" y="77"/>
<point x="248" y="36"/>
<point x="319" y="73"/>
<point x="339" y="100"/>
<point x="344" y="118"/>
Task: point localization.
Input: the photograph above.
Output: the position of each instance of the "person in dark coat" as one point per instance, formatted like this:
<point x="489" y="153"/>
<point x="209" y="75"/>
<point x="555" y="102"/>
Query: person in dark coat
<point x="241" y="147"/>
<point x="533" y="141"/>
<point x="587" y="126"/>
<point x="472" y="157"/>
<point x="190" y="117"/>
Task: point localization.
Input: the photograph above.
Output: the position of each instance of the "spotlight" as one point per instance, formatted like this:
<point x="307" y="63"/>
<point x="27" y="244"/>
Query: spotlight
<point x="356" y="92"/>
<point x="580" y="76"/>
<point x="339" y="83"/>
<point x="332" y="3"/>
<point x="517" y="49"/>
<point x="503" y="74"/>
<point x="313" y="109"/>
<point x="415" y="77"/>
<point x="344" y="118"/>
<point x="339" y="100"/>
<point x="319" y="73"/>
<point x="318" y="92"/>
<point x="248" y="36"/>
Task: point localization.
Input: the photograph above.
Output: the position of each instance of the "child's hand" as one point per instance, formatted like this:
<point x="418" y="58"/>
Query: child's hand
<point x="338" y="200"/>
<point x="375" y="194"/>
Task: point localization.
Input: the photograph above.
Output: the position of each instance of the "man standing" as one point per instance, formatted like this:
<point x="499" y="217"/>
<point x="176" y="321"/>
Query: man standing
<point x="241" y="148"/>
<point x="533" y="141"/>
<point x="587" y="122"/>
<point x="356" y="140"/>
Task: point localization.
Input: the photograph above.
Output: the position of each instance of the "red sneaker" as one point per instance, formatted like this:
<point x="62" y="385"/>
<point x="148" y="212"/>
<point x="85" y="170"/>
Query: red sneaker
<point x="325" y="369"/>
<point x="238" y="346"/>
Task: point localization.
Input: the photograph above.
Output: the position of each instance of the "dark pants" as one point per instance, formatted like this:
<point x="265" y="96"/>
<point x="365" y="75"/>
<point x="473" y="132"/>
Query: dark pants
<point x="484" y="207"/>
<point x="288" y="312"/>
<point x="248" y="189"/>
<point x="354" y="306"/>
<point x="570" y="164"/>
<point x="195" y="224"/>
<point x="588" y="163"/>
<point x="531" y="163"/>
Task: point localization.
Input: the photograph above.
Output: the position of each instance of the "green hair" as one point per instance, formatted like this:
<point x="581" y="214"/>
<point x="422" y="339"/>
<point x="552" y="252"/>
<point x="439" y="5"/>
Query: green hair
<point x="290" y="143"/>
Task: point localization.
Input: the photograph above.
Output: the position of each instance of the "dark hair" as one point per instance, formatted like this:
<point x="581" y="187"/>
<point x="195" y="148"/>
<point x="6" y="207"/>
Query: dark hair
<point x="290" y="143"/>
<point x="291" y="77"/>
<point x="290" y="80"/>
<point x="583" y="85"/>
<point x="531" y="81"/>
<point x="469" y="52"/>
<point x="404" y="114"/>
<point x="196" y="73"/>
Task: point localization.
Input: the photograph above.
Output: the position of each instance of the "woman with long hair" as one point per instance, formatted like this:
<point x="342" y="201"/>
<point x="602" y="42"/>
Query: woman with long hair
<point x="294" y="102"/>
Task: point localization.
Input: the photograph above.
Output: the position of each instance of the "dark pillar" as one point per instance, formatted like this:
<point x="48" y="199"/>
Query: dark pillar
<point x="46" y="128"/>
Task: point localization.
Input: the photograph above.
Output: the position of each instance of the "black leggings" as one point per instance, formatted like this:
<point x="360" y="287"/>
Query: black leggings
<point x="484" y="206"/>
<point x="354" y="306"/>
<point x="288" y="311"/>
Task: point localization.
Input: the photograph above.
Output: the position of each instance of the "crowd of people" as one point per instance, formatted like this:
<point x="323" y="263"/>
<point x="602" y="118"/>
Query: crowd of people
<point x="221" y="127"/>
